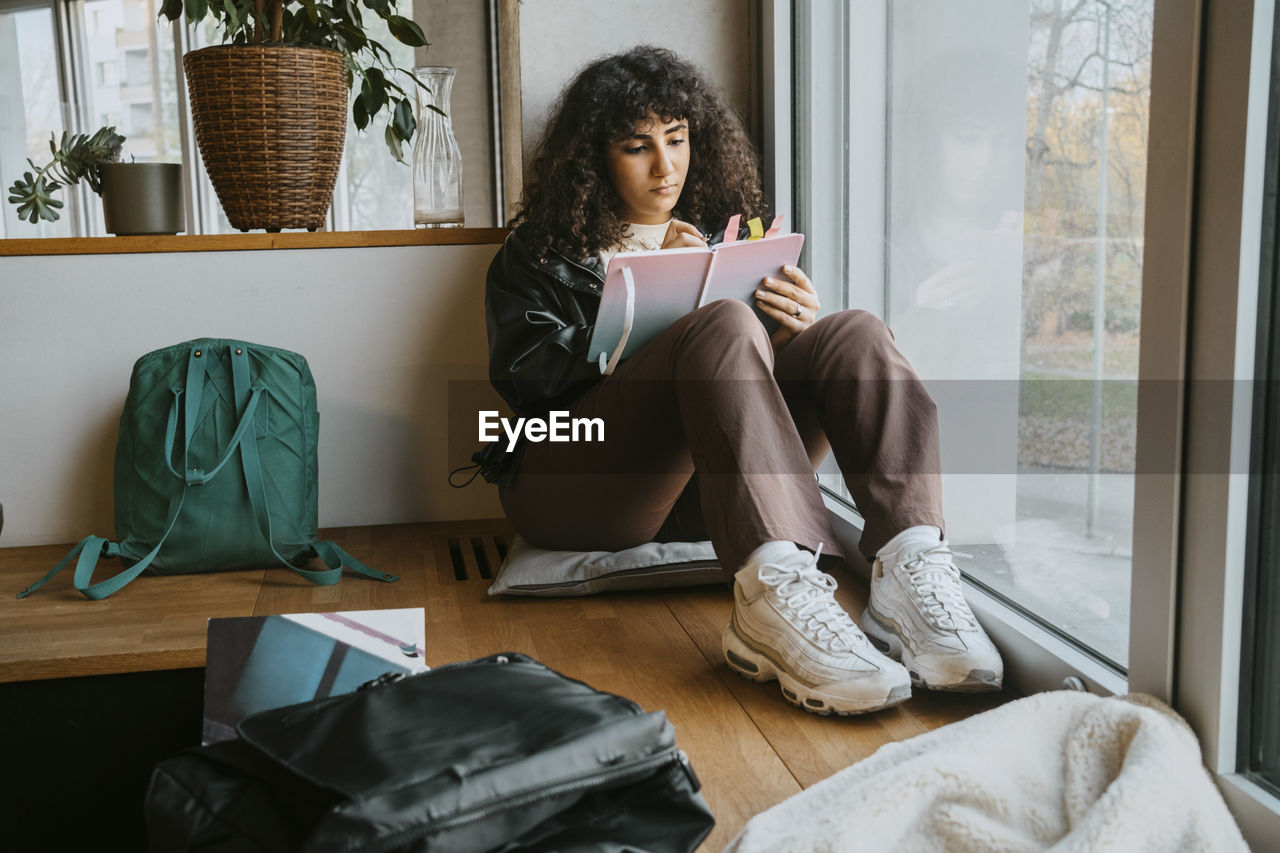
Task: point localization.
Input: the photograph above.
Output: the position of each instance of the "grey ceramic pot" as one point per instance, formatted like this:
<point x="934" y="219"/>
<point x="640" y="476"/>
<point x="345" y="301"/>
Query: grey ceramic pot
<point x="142" y="198"/>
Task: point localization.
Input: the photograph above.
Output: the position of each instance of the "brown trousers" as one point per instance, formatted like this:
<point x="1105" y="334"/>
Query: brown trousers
<point x="707" y="435"/>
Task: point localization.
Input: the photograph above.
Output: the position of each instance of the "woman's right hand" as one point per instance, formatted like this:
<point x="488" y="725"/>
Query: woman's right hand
<point x="682" y="234"/>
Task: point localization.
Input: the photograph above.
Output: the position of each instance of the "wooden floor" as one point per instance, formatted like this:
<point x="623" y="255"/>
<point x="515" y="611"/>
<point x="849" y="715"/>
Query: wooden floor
<point x="661" y="649"/>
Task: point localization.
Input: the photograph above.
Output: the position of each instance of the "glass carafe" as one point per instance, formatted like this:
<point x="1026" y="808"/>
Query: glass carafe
<point x="437" y="162"/>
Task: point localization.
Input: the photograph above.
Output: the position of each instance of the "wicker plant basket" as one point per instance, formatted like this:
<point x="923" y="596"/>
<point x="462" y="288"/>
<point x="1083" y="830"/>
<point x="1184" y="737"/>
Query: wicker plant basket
<point x="270" y="120"/>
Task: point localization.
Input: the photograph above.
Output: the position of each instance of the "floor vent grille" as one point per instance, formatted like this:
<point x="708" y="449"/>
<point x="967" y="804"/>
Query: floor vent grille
<point x="470" y="557"/>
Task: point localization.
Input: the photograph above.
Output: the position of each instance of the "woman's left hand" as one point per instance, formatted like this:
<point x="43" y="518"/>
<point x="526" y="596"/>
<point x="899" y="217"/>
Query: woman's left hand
<point x="794" y="304"/>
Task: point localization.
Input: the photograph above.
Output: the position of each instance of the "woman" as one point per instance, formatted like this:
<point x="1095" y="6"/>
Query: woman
<point x="715" y="427"/>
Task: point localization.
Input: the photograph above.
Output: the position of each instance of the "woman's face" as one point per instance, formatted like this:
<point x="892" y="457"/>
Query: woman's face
<point x="648" y="169"/>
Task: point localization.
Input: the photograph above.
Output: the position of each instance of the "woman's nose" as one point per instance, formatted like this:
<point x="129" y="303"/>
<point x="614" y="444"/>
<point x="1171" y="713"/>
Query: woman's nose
<point x="662" y="164"/>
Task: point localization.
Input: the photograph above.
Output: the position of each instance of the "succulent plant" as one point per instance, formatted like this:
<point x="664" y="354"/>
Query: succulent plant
<point x="75" y="158"/>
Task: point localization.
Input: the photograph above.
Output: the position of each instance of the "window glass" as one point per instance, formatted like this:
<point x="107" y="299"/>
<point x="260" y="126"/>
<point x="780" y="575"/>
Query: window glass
<point x="374" y="191"/>
<point x="135" y="86"/>
<point x="1014" y="174"/>
<point x="128" y="74"/>
<point x="30" y="109"/>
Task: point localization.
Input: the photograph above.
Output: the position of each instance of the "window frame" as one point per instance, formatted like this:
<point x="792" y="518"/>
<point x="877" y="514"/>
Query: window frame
<point x="1227" y="242"/>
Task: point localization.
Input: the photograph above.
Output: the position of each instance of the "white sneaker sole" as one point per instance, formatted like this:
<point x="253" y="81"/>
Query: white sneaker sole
<point x="884" y="637"/>
<point x="756" y="665"/>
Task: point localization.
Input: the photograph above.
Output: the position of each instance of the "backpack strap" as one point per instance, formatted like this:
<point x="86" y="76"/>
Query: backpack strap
<point x="334" y="557"/>
<point x="93" y="548"/>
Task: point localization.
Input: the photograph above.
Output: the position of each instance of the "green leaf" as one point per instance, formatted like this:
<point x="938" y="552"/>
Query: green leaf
<point x="171" y="9"/>
<point x="353" y="38"/>
<point x="406" y="31"/>
<point x="195" y="10"/>
<point x="393" y="144"/>
<point x="359" y="115"/>
<point x="375" y="84"/>
<point x="373" y="92"/>
<point x="403" y="121"/>
<point x="33" y="195"/>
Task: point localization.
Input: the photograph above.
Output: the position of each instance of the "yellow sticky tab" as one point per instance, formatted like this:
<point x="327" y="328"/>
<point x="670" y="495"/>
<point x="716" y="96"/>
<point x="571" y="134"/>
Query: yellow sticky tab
<point x="756" y="227"/>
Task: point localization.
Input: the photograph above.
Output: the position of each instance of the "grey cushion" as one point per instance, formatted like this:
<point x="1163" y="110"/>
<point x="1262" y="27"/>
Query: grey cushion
<point x="534" y="571"/>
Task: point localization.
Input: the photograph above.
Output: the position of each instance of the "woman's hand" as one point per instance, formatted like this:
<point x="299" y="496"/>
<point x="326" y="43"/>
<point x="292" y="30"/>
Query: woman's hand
<point x="682" y="234"/>
<point x="794" y="304"/>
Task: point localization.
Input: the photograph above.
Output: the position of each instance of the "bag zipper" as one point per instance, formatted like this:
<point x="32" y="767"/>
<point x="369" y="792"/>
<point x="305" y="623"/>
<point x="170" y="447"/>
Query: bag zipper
<point x="638" y="768"/>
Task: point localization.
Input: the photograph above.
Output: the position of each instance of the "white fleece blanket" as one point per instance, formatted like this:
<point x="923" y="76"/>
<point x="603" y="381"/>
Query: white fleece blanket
<point x="1064" y="771"/>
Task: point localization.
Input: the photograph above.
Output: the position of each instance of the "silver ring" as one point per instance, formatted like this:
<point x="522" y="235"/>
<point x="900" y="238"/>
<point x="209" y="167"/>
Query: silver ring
<point x="796" y="313"/>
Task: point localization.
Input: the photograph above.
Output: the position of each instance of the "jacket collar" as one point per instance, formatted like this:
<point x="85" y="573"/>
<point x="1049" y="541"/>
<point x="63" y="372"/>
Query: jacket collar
<point x="586" y="275"/>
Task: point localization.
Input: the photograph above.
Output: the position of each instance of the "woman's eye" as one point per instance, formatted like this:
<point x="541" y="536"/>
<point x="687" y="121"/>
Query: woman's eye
<point x="637" y="150"/>
<point x="676" y="141"/>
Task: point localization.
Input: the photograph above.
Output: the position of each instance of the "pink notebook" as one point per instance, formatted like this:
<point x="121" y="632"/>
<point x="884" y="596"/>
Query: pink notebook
<point x="645" y="292"/>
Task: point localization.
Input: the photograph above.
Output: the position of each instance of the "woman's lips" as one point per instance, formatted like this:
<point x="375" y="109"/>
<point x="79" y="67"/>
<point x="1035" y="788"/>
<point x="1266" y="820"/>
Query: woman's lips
<point x="665" y="190"/>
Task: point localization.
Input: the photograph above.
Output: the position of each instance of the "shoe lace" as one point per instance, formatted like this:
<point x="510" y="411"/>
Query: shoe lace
<point x="936" y="580"/>
<point x="809" y="596"/>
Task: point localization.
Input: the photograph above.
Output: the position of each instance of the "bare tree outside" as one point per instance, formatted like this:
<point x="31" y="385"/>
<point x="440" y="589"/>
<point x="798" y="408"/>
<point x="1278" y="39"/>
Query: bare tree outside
<point x="1061" y="245"/>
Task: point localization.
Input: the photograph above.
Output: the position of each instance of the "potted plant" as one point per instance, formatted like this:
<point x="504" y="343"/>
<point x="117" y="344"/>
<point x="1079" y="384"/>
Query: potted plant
<point x="137" y="198"/>
<point x="269" y="104"/>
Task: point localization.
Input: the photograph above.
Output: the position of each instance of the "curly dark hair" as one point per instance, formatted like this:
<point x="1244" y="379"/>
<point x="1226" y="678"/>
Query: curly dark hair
<point x="569" y="203"/>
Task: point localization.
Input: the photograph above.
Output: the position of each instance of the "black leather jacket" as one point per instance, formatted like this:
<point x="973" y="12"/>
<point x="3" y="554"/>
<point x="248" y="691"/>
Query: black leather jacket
<point x="539" y="311"/>
<point x="539" y="315"/>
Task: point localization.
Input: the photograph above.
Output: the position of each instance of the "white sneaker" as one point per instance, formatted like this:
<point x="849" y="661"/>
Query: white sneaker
<point x="787" y="625"/>
<point x="918" y="615"/>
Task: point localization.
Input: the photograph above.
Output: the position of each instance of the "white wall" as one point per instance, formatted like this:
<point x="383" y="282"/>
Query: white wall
<point x="384" y="330"/>
<point x="558" y="37"/>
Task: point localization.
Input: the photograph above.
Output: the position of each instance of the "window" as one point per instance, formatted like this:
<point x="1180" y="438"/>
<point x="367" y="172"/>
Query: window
<point x="374" y="191"/>
<point x="1260" y="673"/>
<point x="82" y="64"/>
<point x="1259" y="743"/>
<point x="30" y="104"/>
<point x="137" y="68"/>
<point x="108" y="74"/>
<point x="141" y="119"/>
<point x="1201" y="632"/>
<point x="990" y="208"/>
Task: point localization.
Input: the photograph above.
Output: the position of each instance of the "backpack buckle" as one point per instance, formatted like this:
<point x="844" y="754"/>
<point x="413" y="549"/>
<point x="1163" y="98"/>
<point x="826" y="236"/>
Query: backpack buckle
<point x="195" y="477"/>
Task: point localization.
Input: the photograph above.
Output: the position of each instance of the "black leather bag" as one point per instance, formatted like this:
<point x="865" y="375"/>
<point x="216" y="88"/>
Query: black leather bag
<point x="500" y="753"/>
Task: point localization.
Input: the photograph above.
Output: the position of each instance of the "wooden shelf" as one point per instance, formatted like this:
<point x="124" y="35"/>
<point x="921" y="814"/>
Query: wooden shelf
<point x="251" y="242"/>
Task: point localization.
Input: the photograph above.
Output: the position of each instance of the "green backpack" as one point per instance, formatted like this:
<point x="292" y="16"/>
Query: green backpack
<point x="215" y="469"/>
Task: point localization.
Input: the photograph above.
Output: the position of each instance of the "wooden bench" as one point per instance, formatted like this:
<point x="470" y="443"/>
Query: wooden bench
<point x="661" y="649"/>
